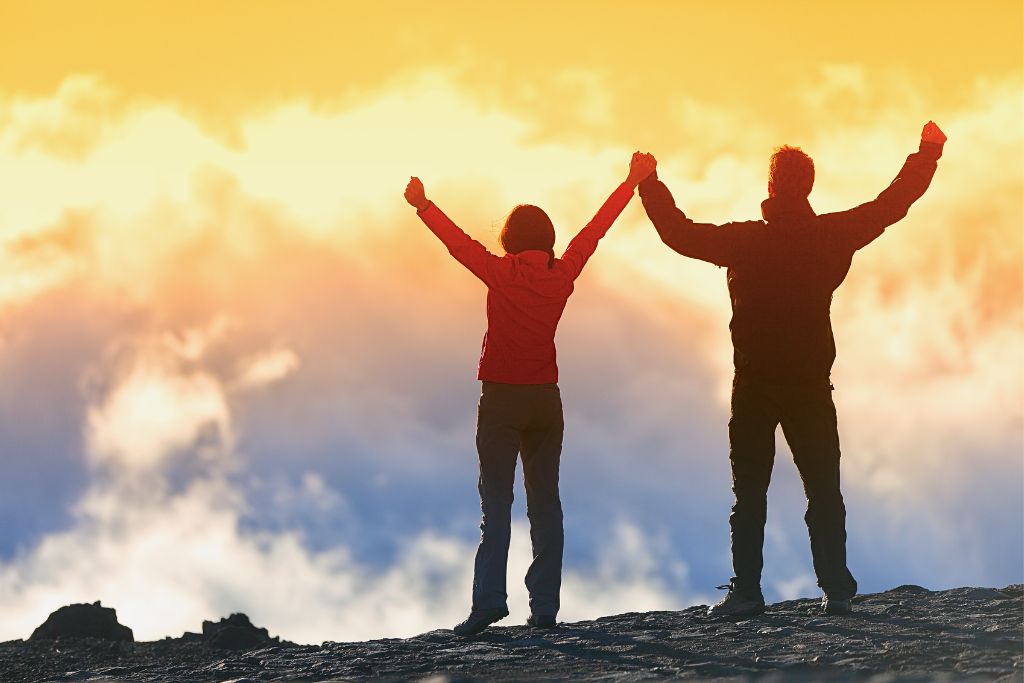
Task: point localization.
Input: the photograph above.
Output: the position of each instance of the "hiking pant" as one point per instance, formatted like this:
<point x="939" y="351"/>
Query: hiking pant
<point x="514" y="420"/>
<point x="808" y="418"/>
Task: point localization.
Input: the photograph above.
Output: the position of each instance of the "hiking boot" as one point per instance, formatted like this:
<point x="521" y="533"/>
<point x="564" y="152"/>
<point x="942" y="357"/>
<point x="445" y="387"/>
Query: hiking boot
<point x="836" y="606"/>
<point x="737" y="604"/>
<point x="478" y="620"/>
<point x="541" y="621"/>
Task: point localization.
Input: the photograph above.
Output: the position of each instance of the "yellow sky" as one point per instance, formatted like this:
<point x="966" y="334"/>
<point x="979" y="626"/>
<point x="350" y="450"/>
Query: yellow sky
<point x="219" y="60"/>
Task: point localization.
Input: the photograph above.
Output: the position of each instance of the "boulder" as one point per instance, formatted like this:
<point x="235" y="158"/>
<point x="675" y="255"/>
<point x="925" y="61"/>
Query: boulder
<point x="83" y="620"/>
<point x="233" y="633"/>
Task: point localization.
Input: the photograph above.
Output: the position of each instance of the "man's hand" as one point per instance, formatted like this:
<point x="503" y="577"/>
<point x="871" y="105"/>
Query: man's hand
<point x="415" y="195"/>
<point x="932" y="133"/>
<point x="640" y="166"/>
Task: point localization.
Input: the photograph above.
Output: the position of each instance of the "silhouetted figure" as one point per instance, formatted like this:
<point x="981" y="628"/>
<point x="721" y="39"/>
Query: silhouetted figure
<point x="520" y="411"/>
<point x="781" y="274"/>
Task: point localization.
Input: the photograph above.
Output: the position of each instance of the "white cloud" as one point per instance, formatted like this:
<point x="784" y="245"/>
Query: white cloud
<point x="267" y="368"/>
<point x="152" y="415"/>
<point x="167" y="561"/>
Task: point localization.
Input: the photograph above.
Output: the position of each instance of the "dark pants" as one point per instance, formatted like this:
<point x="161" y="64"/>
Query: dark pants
<point x="808" y="419"/>
<point x="513" y="420"/>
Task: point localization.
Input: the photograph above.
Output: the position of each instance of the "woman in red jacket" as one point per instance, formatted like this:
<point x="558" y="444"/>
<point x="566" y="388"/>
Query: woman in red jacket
<point x="520" y="410"/>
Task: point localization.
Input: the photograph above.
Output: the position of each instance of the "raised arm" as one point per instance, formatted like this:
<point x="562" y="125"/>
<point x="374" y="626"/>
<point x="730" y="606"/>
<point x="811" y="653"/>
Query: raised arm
<point x="582" y="247"/>
<point x="704" y="241"/>
<point x="860" y="225"/>
<point x="464" y="248"/>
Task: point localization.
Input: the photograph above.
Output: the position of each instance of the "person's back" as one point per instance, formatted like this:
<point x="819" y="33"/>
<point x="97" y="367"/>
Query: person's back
<point x="525" y="300"/>
<point x="781" y="284"/>
<point x="526" y="297"/>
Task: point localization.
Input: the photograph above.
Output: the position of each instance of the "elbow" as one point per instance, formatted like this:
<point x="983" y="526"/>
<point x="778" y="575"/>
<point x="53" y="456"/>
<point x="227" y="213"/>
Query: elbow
<point x="891" y="217"/>
<point x="897" y="213"/>
<point x="668" y="232"/>
<point x="663" y="232"/>
<point x="672" y="241"/>
<point x="667" y="240"/>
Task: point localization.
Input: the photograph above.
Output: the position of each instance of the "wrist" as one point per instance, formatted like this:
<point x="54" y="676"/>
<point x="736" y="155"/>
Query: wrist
<point x="652" y="178"/>
<point x="931" y="149"/>
<point x="423" y="206"/>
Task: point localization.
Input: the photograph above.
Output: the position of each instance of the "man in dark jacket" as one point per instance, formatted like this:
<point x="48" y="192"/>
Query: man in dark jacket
<point x="781" y="275"/>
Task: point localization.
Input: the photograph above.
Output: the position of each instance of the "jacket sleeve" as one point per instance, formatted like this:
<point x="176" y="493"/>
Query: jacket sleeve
<point x="464" y="248"/>
<point x="704" y="241"/>
<point x="862" y="224"/>
<point x="582" y="247"/>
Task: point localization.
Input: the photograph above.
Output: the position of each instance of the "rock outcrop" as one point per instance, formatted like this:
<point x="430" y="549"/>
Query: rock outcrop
<point x="905" y="634"/>
<point x="83" y="620"/>
<point x="234" y="633"/>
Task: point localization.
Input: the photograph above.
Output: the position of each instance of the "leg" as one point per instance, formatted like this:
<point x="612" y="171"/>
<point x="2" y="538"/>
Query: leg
<point x="497" y="442"/>
<point x="751" y="454"/>
<point x="809" y="423"/>
<point x="541" y="452"/>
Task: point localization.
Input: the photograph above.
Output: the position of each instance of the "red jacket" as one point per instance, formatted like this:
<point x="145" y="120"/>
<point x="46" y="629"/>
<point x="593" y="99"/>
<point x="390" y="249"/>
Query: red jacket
<point x="525" y="297"/>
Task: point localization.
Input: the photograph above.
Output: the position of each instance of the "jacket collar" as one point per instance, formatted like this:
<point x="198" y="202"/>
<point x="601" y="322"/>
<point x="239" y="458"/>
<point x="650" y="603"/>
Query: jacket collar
<point x="532" y="256"/>
<point x="784" y="209"/>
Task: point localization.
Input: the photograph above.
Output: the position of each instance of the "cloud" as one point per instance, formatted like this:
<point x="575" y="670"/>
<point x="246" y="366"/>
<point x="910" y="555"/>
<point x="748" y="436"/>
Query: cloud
<point x="69" y="124"/>
<point x="167" y="560"/>
<point x="152" y="414"/>
<point x="267" y="368"/>
<point x="261" y="366"/>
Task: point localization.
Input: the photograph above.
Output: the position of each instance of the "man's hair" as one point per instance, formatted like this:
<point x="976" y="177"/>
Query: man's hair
<point x="791" y="172"/>
<point x="527" y="228"/>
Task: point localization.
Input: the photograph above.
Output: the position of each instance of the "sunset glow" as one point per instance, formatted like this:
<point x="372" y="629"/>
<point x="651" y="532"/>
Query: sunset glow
<point x="237" y="371"/>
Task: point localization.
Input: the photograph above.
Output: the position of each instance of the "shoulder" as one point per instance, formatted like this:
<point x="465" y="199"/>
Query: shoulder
<point x="745" y="228"/>
<point x="561" y="268"/>
<point x="836" y="218"/>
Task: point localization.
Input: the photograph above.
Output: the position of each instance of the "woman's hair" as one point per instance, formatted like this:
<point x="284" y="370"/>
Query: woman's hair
<point x="528" y="228"/>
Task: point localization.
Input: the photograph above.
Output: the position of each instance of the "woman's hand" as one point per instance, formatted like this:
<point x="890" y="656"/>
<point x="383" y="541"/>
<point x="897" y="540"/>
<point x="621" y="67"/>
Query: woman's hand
<point x="415" y="195"/>
<point x="640" y="166"/>
<point x="932" y="133"/>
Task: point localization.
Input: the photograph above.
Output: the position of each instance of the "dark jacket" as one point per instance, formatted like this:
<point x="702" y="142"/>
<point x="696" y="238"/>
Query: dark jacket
<point x="782" y="270"/>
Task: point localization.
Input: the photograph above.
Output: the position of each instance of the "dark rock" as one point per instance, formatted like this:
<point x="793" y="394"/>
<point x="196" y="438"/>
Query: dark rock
<point x="235" y="633"/>
<point x="83" y="620"/>
<point x="962" y="634"/>
<point x="909" y="588"/>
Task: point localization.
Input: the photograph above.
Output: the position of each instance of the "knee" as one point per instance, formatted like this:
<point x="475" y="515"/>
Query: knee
<point x="750" y="499"/>
<point x="495" y="511"/>
<point x="495" y="527"/>
<point x="546" y="511"/>
<point x="825" y="506"/>
<point x="751" y="507"/>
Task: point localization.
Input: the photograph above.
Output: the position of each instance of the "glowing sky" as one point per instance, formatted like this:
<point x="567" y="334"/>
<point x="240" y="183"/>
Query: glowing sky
<point x="237" y="372"/>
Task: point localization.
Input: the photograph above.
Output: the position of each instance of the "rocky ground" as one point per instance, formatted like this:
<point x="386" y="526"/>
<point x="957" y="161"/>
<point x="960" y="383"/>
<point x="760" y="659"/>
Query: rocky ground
<point x="906" y="634"/>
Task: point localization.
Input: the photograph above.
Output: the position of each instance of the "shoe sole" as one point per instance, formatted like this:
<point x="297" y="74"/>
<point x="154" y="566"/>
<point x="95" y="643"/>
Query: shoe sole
<point x="543" y="627"/>
<point x="480" y="629"/>
<point x="738" y="615"/>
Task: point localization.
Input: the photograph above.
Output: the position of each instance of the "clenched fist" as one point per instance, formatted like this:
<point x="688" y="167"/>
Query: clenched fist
<point x="415" y="195"/>
<point x="932" y="133"/>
